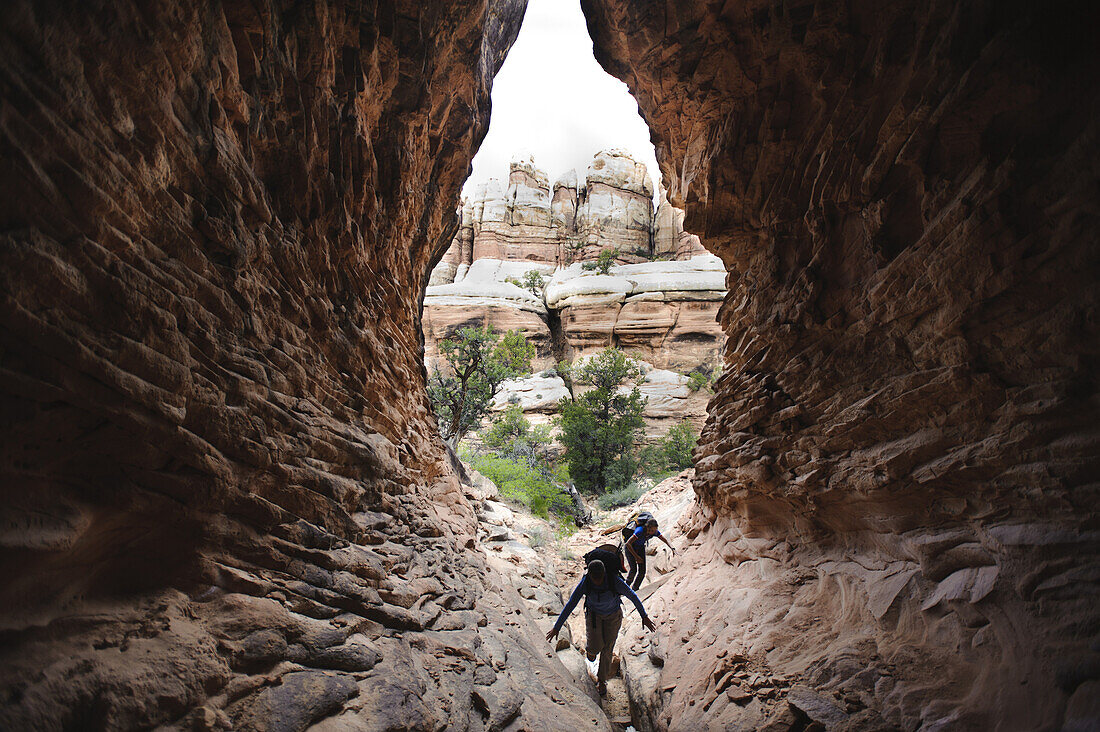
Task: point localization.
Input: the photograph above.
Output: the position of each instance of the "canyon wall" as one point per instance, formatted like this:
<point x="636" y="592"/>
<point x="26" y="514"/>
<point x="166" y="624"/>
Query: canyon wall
<point x="224" y="501"/>
<point x="897" y="483"/>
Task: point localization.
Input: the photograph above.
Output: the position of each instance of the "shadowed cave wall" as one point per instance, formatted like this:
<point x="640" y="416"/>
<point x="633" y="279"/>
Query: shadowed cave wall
<point x="899" y="471"/>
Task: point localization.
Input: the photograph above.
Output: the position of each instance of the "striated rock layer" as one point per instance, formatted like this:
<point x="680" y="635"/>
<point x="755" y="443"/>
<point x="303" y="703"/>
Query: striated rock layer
<point x="223" y="501"/>
<point x="899" y="471"/>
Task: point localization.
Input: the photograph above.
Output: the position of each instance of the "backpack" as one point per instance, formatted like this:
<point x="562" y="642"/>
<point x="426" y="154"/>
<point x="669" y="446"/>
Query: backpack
<point x="610" y="555"/>
<point x="634" y="523"/>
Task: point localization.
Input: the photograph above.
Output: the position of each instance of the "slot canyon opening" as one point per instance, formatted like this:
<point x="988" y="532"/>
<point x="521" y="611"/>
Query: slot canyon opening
<point x="225" y="504"/>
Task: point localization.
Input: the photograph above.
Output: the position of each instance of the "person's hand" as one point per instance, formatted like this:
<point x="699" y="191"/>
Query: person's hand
<point x="649" y="624"/>
<point x="552" y="634"/>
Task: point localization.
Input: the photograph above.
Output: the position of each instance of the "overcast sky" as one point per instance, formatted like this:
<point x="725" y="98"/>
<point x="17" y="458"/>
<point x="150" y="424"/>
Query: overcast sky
<point x="553" y="100"/>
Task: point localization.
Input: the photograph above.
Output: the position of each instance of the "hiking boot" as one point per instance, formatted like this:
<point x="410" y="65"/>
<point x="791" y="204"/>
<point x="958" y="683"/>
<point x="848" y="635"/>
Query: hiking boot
<point x="601" y="688"/>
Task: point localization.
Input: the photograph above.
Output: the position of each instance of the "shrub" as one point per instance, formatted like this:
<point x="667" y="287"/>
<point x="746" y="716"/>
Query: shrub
<point x="511" y="433"/>
<point x="532" y="282"/>
<point x="622" y="497"/>
<point x="698" y="380"/>
<point x="603" y="263"/>
<point x="520" y="480"/>
<point x="678" y="444"/>
<point x="670" y="454"/>
<point x="702" y="377"/>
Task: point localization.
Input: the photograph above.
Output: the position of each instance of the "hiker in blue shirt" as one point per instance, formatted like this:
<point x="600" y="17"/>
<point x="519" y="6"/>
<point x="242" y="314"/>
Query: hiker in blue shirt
<point x="603" y="615"/>
<point x="635" y="551"/>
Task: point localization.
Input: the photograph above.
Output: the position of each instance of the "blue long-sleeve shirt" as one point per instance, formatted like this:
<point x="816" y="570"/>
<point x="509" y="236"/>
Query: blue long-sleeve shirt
<point x="640" y="537"/>
<point x="603" y="600"/>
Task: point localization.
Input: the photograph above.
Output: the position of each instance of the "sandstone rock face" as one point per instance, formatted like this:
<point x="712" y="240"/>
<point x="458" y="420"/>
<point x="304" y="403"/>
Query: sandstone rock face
<point x="482" y="296"/>
<point x="529" y="220"/>
<point x="223" y="501"/>
<point x="662" y="312"/>
<point x="899" y="469"/>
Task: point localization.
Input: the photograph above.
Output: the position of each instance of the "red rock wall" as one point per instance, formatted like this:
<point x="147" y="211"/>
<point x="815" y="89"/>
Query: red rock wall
<point x="223" y="498"/>
<point x="900" y="464"/>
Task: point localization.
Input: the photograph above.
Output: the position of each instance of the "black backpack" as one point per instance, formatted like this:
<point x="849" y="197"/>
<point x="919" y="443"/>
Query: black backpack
<point x="610" y="555"/>
<point x="634" y="523"/>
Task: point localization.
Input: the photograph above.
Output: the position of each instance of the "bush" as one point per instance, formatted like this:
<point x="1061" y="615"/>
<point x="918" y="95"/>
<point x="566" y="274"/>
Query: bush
<point x="532" y="282"/>
<point x="670" y="454"/>
<point x="678" y="444"/>
<point x="511" y="434"/>
<point x="622" y="497"/>
<point x="702" y="377"/>
<point x="520" y="480"/>
<point x="603" y="263"/>
<point x="652" y="459"/>
<point x="698" y="380"/>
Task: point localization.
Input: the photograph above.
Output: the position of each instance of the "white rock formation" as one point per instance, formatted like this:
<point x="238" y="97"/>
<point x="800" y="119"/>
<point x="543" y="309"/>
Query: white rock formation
<point x="703" y="275"/>
<point x="533" y="393"/>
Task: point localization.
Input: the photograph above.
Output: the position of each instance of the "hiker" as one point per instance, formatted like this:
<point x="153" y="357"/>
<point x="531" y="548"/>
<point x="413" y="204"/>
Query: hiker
<point x="635" y="550"/>
<point x="603" y="615"/>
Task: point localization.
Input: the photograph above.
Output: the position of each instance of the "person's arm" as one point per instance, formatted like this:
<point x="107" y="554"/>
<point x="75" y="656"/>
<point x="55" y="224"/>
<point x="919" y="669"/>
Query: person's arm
<point x="662" y="538"/>
<point x="630" y="547"/>
<point x="569" y="606"/>
<point x="624" y="589"/>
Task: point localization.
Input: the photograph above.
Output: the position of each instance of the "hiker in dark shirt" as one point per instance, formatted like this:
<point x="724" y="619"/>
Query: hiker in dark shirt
<point x="635" y="551"/>
<point x="603" y="615"/>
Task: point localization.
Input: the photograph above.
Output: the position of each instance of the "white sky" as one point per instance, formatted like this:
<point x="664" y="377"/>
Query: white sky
<point x="552" y="99"/>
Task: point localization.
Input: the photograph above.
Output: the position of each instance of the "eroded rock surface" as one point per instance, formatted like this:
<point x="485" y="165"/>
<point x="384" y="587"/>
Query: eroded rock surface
<point x="900" y="459"/>
<point x="224" y="503"/>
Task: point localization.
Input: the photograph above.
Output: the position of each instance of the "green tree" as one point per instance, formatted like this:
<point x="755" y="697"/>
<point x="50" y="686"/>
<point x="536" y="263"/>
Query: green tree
<point x="532" y="281"/>
<point x="678" y="444"/>
<point x="599" y="427"/>
<point x="603" y="263"/>
<point x="478" y="362"/>
<point x="512" y="432"/>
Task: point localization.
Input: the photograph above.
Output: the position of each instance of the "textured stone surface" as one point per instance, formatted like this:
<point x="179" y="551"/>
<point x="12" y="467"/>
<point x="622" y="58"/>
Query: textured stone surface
<point x="222" y="500"/>
<point x="662" y="312"/>
<point x="529" y="220"/>
<point x="899" y="469"/>
<point x="484" y="297"/>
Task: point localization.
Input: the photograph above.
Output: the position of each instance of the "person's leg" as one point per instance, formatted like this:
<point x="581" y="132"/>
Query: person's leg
<point x="593" y="630"/>
<point x="640" y="576"/>
<point x="633" y="567"/>
<point x="610" y="632"/>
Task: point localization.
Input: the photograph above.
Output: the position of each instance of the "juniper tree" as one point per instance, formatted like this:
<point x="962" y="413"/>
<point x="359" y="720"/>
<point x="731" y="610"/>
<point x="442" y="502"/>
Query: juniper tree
<point x="478" y="362"/>
<point x="599" y="427"/>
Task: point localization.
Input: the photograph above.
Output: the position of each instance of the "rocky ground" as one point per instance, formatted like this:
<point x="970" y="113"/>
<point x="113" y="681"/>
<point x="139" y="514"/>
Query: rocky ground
<point x="544" y="569"/>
